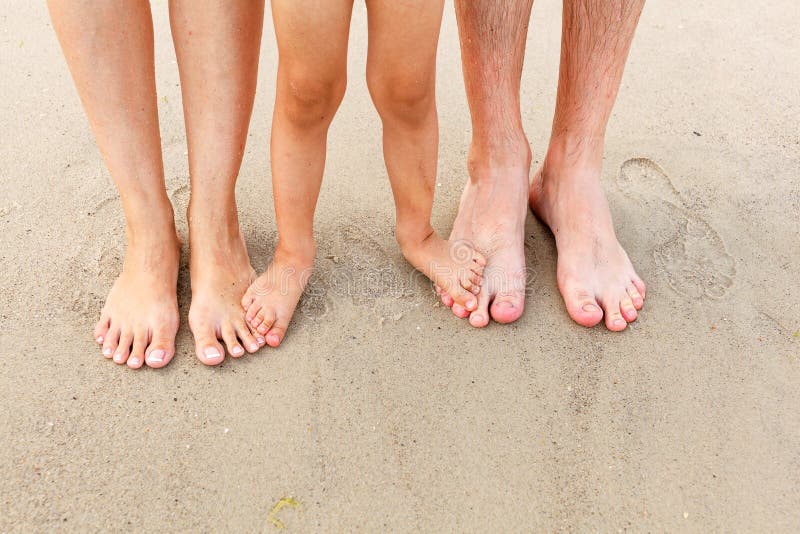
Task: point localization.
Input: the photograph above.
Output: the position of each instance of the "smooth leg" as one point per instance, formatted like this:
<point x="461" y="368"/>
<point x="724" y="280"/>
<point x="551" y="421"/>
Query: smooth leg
<point x="595" y="275"/>
<point x="401" y="74"/>
<point x="109" y="50"/>
<point x="312" y="75"/>
<point x="217" y="44"/>
<point x="492" y="211"/>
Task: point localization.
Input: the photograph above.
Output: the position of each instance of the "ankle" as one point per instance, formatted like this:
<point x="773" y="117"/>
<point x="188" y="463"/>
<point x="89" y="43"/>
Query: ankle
<point x="218" y="221"/>
<point x="296" y="251"/>
<point x="488" y="158"/>
<point x="156" y="229"/>
<point x="574" y="150"/>
<point x="411" y="236"/>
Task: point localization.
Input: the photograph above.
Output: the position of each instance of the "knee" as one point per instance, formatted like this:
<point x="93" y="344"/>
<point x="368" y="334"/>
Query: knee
<point x="406" y="97"/>
<point x="310" y="99"/>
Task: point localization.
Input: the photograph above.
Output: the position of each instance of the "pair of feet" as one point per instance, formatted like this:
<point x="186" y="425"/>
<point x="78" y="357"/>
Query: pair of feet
<point x="595" y="276"/>
<point x="139" y="321"/>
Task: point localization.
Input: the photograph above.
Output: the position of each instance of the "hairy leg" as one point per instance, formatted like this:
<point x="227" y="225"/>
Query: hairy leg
<point x="217" y="44"/>
<point x="492" y="211"/>
<point x="401" y="74"/>
<point x="312" y="73"/>
<point x="109" y="50"/>
<point x="595" y="276"/>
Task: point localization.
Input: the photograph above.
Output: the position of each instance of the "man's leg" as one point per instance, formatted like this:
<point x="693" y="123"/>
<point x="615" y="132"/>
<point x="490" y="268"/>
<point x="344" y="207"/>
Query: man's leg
<point x="109" y="50"/>
<point x="595" y="276"/>
<point x="217" y="44"/>
<point x="492" y="211"/>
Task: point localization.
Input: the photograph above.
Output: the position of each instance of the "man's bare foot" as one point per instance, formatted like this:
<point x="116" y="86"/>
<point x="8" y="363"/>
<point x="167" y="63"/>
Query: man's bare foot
<point x="491" y="216"/>
<point x="140" y="318"/>
<point x="595" y="276"/>
<point x="220" y="272"/>
<point x="455" y="267"/>
<point x="271" y="299"/>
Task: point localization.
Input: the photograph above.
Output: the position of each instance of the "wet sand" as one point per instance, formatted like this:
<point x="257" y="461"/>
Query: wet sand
<point x="381" y="411"/>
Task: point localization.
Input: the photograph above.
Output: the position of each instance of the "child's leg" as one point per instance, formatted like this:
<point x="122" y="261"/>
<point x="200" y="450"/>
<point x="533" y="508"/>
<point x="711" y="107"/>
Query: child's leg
<point x="109" y="50"/>
<point x="217" y="45"/>
<point x="401" y="71"/>
<point x="312" y="69"/>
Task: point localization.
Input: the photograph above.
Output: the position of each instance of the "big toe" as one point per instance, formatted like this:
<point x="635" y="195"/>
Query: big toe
<point x="507" y="308"/>
<point x="583" y="307"/>
<point x="162" y="347"/>
<point x="207" y="348"/>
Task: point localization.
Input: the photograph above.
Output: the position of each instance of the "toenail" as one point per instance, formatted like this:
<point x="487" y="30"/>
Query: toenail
<point x="590" y="308"/>
<point x="211" y="353"/>
<point x="471" y="303"/>
<point x="254" y="346"/>
<point x="134" y="361"/>
<point x="260" y="340"/>
<point x="118" y="357"/>
<point x="619" y="322"/>
<point x="107" y="352"/>
<point x="157" y="356"/>
<point x="99" y="339"/>
<point x="237" y="350"/>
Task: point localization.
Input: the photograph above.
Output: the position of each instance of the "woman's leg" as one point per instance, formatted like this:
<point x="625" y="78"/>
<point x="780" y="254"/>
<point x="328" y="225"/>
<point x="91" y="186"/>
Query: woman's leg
<point x="217" y="44"/>
<point x="312" y="75"/>
<point x="109" y="49"/>
<point x="401" y="74"/>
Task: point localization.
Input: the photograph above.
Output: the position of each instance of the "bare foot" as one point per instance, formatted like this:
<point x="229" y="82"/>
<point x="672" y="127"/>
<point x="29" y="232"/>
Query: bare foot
<point x="220" y="272"/>
<point x="491" y="216"/>
<point x="455" y="267"/>
<point x="595" y="276"/>
<point x="140" y="318"/>
<point x="271" y="299"/>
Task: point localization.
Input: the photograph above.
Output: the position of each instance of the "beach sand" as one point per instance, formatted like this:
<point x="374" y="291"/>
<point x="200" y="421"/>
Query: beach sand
<point x="381" y="411"/>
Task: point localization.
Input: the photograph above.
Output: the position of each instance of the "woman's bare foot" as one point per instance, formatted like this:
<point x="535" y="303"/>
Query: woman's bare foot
<point x="271" y="299"/>
<point x="492" y="215"/>
<point x="595" y="276"/>
<point x="220" y="272"/>
<point x="140" y="318"/>
<point x="455" y="267"/>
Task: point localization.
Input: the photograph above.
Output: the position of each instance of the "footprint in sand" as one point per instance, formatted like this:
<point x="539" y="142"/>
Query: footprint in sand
<point x="96" y="257"/>
<point x="689" y="250"/>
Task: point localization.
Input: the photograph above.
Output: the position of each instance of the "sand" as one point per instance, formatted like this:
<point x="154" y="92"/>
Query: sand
<point x="381" y="411"/>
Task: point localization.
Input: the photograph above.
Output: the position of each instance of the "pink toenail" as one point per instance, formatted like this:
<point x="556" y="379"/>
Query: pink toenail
<point x="99" y="339"/>
<point x="134" y="361"/>
<point x="471" y="303"/>
<point x="590" y="308"/>
<point x="211" y="353"/>
<point x="619" y="322"/>
<point x="157" y="356"/>
<point x="260" y="340"/>
<point x="254" y="346"/>
<point x="237" y="350"/>
<point x="118" y="357"/>
<point x="106" y="352"/>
